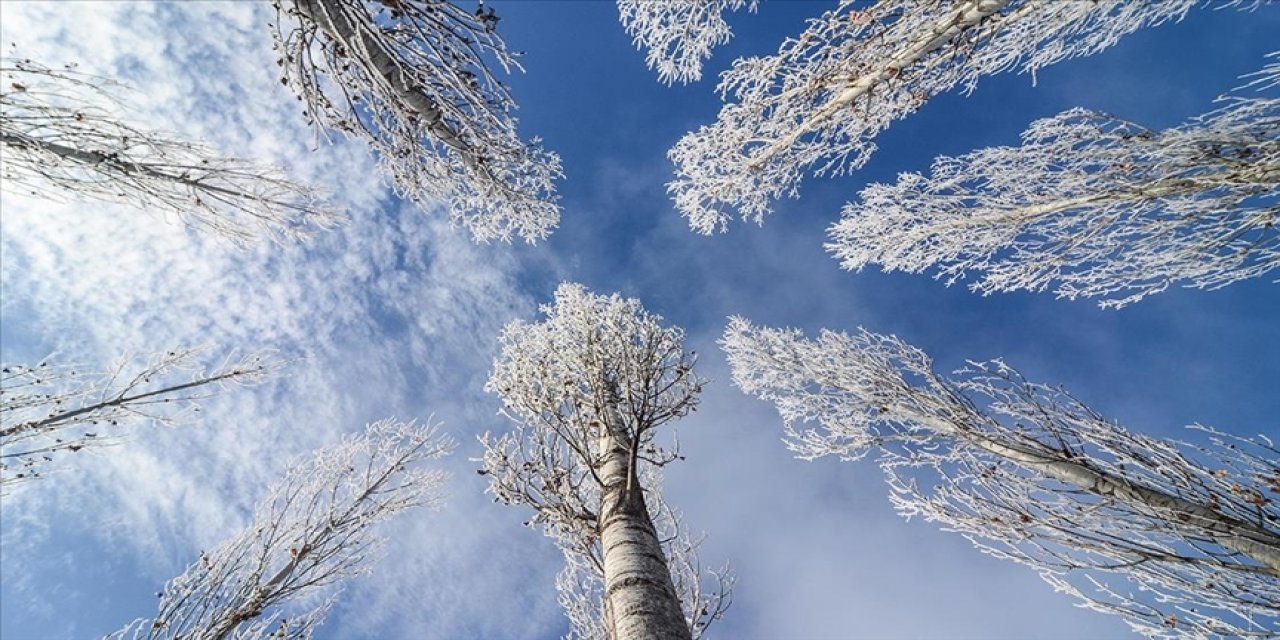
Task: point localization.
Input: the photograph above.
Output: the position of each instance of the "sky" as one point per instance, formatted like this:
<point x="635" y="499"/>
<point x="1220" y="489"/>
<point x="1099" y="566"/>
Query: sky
<point x="397" y="314"/>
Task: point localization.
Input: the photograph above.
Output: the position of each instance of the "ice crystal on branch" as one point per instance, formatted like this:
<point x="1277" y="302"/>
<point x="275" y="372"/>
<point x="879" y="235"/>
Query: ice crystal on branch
<point x="1029" y="473"/>
<point x="1089" y="205"/>
<point x="678" y="35"/>
<point x="818" y="104"/>
<point x="414" y="80"/>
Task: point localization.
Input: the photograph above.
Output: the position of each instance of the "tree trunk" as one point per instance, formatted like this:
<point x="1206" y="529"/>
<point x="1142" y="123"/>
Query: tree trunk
<point x="1245" y="538"/>
<point x="640" y="601"/>
<point x="329" y="17"/>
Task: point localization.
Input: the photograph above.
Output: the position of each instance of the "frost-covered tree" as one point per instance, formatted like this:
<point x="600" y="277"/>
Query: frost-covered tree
<point x="1089" y="205"/>
<point x="1029" y="473"/>
<point x="63" y="135"/>
<point x="678" y="35"/>
<point x="588" y="388"/>
<point x="50" y="409"/>
<point x="414" y="80"/>
<point x="818" y="104"/>
<point x="314" y="529"/>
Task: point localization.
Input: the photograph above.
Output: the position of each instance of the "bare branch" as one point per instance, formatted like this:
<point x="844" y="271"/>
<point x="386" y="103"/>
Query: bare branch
<point x="60" y="136"/>
<point x="314" y="530"/>
<point x="50" y="409"/>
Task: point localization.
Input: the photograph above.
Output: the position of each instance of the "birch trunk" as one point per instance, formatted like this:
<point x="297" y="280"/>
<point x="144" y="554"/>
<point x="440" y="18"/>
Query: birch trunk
<point x="640" y="601"/>
<point x="1243" y="537"/>
<point x="329" y="17"/>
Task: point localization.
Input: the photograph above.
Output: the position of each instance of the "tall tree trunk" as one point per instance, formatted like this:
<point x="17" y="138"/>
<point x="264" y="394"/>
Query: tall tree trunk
<point x="640" y="601"/>
<point x="1246" y="538"/>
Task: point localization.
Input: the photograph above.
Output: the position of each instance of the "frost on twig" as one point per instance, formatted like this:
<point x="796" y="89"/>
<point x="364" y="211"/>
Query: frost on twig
<point x="678" y="35"/>
<point x="1090" y="206"/>
<point x="1029" y="473"/>
<point x="414" y="80"/>
<point x="61" y="137"/>
<point x="51" y="409"/>
<point x="313" y="530"/>
<point x="819" y="103"/>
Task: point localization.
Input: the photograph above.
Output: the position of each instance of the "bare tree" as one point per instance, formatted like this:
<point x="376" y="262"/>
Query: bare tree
<point x="51" y="408"/>
<point x="1029" y="473"/>
<point x="412" y="78"/>
<point x="1090" y="205"/>
<point x="61" y="136"/>
<point x="820" y="102"/>
<point x="588" y="388"/>
<point x="678" y="35"/>
<point x="314" y="529"/>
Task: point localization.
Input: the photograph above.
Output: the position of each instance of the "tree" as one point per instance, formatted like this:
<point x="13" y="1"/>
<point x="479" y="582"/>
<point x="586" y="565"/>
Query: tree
<point x="819" y="103"/>
<point x="52" y="408"/>
<point x="1090" y="205"/>
<point x="1029" y="473"/>
<point x="411" y="78"/>
<point x="313" y="530"/>
<point x="60" y="136"/>
<point x="588" y="388"/>
<point x="678" y="36"/>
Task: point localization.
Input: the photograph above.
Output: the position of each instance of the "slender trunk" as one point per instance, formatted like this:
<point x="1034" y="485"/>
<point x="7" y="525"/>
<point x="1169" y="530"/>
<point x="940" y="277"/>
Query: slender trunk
<point x="1256" y="542"/>
<point x="640" y="602"/>
<point x="328" y="15"/>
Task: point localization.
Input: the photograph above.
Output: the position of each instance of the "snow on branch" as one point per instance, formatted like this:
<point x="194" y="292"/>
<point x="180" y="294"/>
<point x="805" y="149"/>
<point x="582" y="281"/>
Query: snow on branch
<point x="1029" y="473"/>
<point x="61" y="137"/>
<point x="587" y="389"/>
<point x="678" y="35"/>
<point x="1089" y="205"/>
<point x="414" y="80"/>
<point x="50" y="409"/>
<point x="313" y="530"/>
<point x="818" y="104"/>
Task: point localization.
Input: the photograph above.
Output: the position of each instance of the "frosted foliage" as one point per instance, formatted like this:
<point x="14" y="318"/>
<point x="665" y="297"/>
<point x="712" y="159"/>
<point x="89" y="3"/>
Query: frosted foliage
<point x="1089" y="205"/>
<point x="818" y="104"/>
<point x="678" y="35"/>
<point x="314" y="529"/>
<point x="52" y="409"/>
<point x="1028" y="473"/>
<point x="62" y="136"/>
<point x="598" y="376"/>
<point x="413" y="79"/>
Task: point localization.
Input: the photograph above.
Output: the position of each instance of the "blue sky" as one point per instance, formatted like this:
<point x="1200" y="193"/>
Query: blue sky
<point x="398" y="314"/>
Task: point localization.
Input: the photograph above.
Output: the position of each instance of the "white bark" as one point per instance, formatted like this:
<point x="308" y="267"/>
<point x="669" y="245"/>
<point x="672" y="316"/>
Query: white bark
<point x="640" y="601"/>
<point x="412" y="78"/>
<point x="314" y="530"/>
<point x="1029" y="473"/>
<point x="60" y="137"/>
<point x="817" y="106"/>
<point x="588" y="388"/>
<point x="1089" y="205"/>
